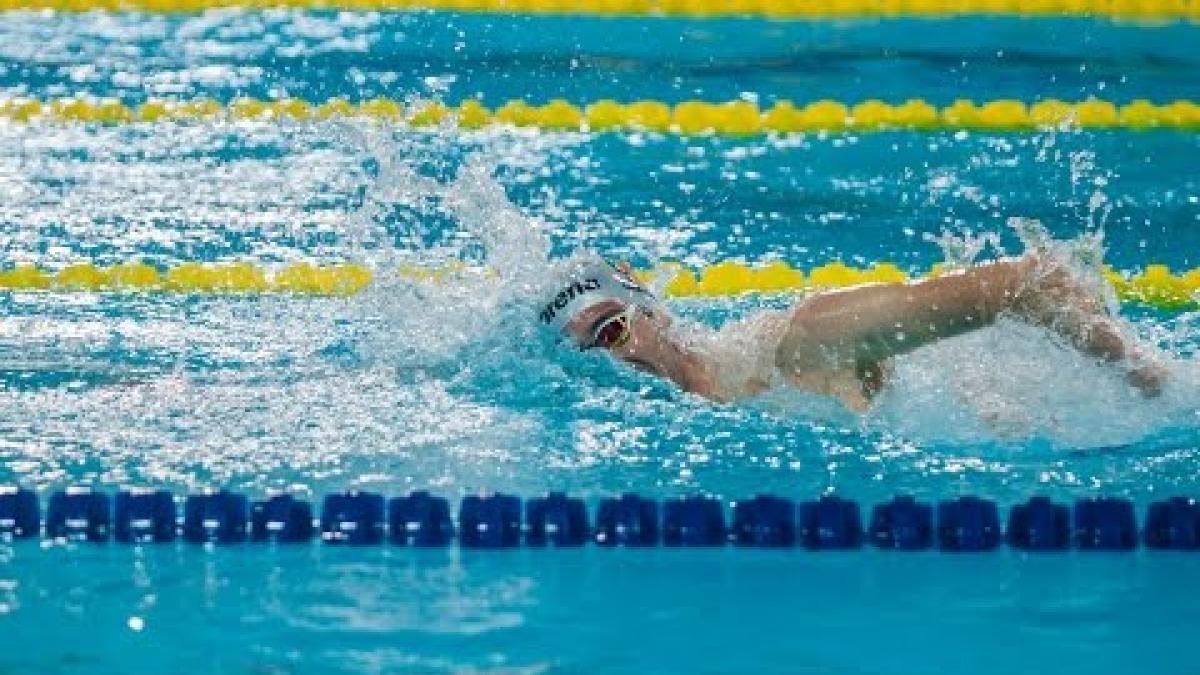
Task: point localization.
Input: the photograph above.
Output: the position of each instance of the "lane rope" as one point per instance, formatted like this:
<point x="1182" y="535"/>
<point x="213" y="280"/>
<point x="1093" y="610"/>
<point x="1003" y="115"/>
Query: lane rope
<point x="494" y="521"/>
<point x="730" y="118"/>
<point x="1154" y="286"/>
<point x="1144" y="10"/>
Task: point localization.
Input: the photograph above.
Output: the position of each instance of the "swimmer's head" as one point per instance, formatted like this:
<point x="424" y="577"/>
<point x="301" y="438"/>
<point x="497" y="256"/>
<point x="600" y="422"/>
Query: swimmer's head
<point x="596" y="305"/>
<point x="588" y="285"/>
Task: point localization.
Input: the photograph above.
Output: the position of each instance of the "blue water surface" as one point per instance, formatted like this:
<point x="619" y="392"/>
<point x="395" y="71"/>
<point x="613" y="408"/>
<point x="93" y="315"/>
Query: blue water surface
<point x="448" y="388"/>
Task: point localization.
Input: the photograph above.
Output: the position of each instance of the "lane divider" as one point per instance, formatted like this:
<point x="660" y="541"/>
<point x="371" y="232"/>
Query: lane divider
<point x="497" y="521"/>
<point x="1156" y="10"/>
<point x="1155" y="286"/>
<point x="233" y="278"/>
<point x="731" y="118"/>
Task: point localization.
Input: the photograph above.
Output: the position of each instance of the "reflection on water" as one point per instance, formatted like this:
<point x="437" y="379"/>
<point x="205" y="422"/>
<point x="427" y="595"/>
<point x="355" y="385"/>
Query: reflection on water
<point x="388" y="610"/>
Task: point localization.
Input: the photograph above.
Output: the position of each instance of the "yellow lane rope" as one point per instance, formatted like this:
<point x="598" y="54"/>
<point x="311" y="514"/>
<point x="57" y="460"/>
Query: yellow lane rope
<point x="1155" y="285"/>
<point x="1156" y="10"/>
<point x="734" y="118"/>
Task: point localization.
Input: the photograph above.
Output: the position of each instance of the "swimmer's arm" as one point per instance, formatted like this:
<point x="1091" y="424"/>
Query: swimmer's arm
<point x="861" y="326"/>
<point x="864" y="325"/>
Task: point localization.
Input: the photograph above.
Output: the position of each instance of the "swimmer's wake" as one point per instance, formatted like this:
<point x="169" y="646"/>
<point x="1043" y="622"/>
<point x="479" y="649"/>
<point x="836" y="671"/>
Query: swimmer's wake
<point x="902" y="355"/>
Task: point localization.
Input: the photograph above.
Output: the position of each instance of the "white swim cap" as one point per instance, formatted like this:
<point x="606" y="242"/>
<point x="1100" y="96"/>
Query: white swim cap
<point x="585" y="283"/>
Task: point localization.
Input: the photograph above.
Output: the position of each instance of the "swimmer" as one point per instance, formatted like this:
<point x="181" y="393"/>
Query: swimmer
<point x="836" y="343"/>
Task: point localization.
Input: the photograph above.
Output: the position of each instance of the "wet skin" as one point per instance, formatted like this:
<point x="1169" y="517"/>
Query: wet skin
<point x="838" y="343"/>
<point x="650" y="347"/>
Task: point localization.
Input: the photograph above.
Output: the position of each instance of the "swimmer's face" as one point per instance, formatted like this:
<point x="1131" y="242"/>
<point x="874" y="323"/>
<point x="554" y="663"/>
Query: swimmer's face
<point x="633" y="334"/>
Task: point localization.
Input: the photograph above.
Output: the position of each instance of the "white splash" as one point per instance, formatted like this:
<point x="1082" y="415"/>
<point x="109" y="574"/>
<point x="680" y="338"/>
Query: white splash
<point x="1014" y="382"/>
<point x="1010" y="382"/>
<point x="960" y="251"/>
<point x="492" y="259"/>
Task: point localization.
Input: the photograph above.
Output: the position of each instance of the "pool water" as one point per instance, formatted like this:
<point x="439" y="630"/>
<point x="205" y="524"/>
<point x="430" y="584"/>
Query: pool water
<point x="447" y="387"/>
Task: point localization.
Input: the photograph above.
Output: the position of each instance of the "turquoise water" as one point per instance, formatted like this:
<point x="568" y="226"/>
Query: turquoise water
<point x="448" y="388"/>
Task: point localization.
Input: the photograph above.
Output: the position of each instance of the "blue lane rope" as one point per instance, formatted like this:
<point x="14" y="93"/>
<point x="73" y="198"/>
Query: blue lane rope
<point x="496" y="521"/>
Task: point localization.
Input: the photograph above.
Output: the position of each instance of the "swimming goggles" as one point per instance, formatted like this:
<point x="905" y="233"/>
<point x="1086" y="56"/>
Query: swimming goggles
<point x="613" y="332"/>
